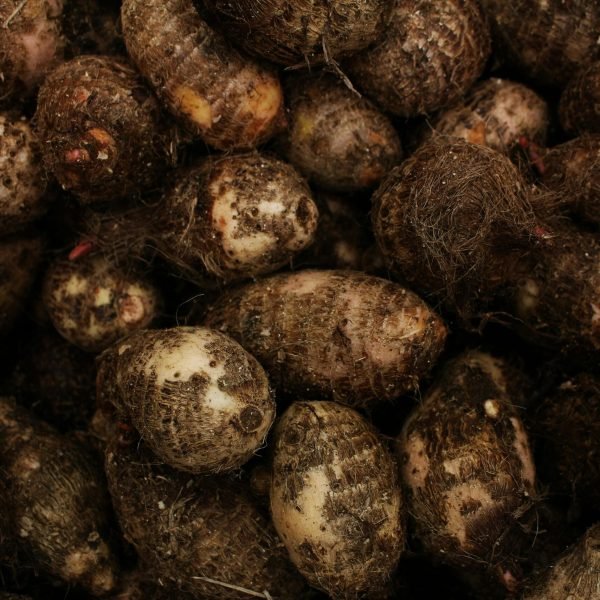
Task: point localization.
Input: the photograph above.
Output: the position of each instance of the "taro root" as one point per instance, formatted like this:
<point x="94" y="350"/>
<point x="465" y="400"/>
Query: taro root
<point x="467" y="467"/>
<point x="57" y="499"/>
<point x="579" y="108"/>
<point x="23" y="181"/>
<point x="448" y="218"/>
<point x="546" y="40"/>
<point x="338" y="140"/>
<point x="335" y="334"/>
<point x="202" y="535"/>
<point x="224" y="98"/>
<point x="31" y="45"/>
<point x="574" y="576"/>
<point x="335" y="499"/>
<point x="497" y="113"/>
<point x="92" y="303"/>
<point x="429" y="56"/>
<point x="19" y="259"/>
<point x="567" y="425"/>
<point x="572" y="171"/>
<point x="199" y="400"/>
<point x="302" y="33"/>
<point x="101" y="130"/>
<point x="236" y="217"/>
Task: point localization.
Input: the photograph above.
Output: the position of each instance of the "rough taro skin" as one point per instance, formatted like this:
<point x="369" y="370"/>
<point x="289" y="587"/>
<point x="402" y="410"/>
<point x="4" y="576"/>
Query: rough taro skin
<point x="333" y="334"/>
<point x="335" y="499"/>
<point x="226" y="99"/>
<point x="467" y="468"/>
<point x="428" y="57"/>
<point x="579" y="108"/>
<point x="186" y="529"/>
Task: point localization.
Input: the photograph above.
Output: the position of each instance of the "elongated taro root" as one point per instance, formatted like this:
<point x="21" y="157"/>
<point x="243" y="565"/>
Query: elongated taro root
<point x="335" y="499"/>
<point x="335" y="334"/>
<point x="92" y="303"/>
<point x="429" y="56"/>
<point x="226" y="99"/>
<point x="198" y="399"/>
<point x="237" y="217"/>
<point x="575" y="576"/>
<point x="203" y="535"/>
<point x="58" y="501"/>
<point x="31" y="44"/>
<point x="547" y="40"/>
<point x="467" y="467"/>
<point x="579" y="108"/>
<point x="101" y="130"/>
<point x="338" y="140"/>
<point x="449" y="217"/>
<point x="302" y="33"/>
<point x="19" y="260"/>
<point x="23" y="182"/>
<point x="497" y="113"/>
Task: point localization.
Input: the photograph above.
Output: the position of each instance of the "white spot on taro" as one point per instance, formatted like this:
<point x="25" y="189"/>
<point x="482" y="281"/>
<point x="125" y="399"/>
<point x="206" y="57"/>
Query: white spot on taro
<point x="417" y="466"/>
<point x="492" y="408"/>
<point x="124" y="348"/>
<point x="161" y="505"/>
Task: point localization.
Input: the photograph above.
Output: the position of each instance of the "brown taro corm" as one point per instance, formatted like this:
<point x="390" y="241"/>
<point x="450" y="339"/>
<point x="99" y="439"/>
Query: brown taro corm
<point x="101" y="130"/>
<point x="572" y="171"/>
<point x="545" y="40"/>
<point x="467" y="468"/>
<point x="428" y="57"/>
<point x="23" y="182"/>
<point x="497" y="113"/>
<point x="574" y="576"/>
<point x="236" y="216"/>
<point x="226" y="99"/>
<point x="579" y="108"/>
<point x="202" y="535"/>
<point x="449" y="218"/>
<point x="56" y="495"/>
<point x="31" y="44"/>
<point x="199" y="400"/>
<point x="335" y="499"/>
<point x="302" y="33"/>
<point x="338" y="140"/>
<point x="343" y="335"/>
<point x="20" y="257"/>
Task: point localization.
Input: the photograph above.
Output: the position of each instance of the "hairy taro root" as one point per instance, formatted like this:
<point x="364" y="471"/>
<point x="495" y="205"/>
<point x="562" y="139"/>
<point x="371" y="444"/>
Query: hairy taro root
<point x="236" y="217"/>
<point x="579" y="109"/>
<point x="101" y="130"/>
<point x="199" y="400"/>
<point x="334" y="334"/>
<point x="428" y="57"/>
<point x="56" y="494"/>
<point x="335" y="499"/>
<point x="340" y="141"/>
<point x="92" y="303"/>
<point x="221" y="96"/>
<point x="203" y="535"/>
<point x="467" y="468"/>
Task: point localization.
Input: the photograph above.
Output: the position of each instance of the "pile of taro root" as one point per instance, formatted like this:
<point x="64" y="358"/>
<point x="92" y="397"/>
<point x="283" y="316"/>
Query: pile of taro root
<point x="300" y="300"/>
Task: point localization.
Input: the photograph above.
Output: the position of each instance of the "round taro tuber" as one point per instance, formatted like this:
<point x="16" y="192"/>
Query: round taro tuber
<point x="302" y="33"/>
<point x="92" y="304"/>
<point x="57" y="500"/>
<point x="335" y="499"/>
<point x="31" y="44"/>
<point x="226" y="99"/>
<point x="448" y="219"/>
<point x="335" y="334"/>
<point x="236" y="217"/>
<point x="579" y="108"/>
<point x="203" y="535"/>
<point x="467" y="467"/>
<point x="429" y="56"/>
<point x="101" y="130"/>
<point x="23" y="181"/>
<point x="338" y="140"/>
<point x="198" y="399"/>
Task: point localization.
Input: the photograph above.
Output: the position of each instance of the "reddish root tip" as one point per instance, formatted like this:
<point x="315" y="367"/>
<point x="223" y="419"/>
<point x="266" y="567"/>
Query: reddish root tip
<point x="80" y="250"/>
<point x="76" y="156"/>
